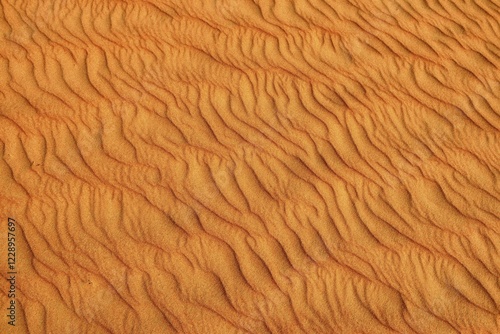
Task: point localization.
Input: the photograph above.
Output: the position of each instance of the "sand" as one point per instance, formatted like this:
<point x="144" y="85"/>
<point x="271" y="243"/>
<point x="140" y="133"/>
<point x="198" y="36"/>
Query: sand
<point x="219" y="167"/>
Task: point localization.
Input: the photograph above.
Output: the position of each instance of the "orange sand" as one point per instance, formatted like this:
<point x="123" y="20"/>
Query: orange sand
<point x="219" y="167"/>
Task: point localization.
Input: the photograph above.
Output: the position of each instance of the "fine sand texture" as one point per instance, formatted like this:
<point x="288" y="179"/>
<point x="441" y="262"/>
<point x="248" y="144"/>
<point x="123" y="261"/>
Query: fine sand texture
<point x="250" y="166"/>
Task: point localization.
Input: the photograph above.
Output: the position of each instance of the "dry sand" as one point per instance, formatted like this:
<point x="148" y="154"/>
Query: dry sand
<point x="218" y="167"/>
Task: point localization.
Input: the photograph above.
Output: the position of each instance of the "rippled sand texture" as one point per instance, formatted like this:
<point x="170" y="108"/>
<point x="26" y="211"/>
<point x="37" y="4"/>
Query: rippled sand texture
<point x="261" y="166"/>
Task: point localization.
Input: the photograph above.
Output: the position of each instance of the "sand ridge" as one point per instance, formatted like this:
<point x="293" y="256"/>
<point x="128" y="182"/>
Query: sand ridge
<point x="306" y="166"/>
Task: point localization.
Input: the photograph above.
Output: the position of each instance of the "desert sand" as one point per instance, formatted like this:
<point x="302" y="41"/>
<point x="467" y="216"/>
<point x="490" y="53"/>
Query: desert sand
<point x="250" y="166"/>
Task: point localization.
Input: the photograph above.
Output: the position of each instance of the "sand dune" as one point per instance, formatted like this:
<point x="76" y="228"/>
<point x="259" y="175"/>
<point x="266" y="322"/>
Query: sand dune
<point x="219" y="167"/>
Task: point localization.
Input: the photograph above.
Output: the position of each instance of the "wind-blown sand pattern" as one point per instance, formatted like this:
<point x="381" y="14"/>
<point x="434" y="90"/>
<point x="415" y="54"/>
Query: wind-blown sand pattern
<point x="216" y="167"/>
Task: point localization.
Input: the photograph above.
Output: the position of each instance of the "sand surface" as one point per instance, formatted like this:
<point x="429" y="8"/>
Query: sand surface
<point x="250" y="166"/>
